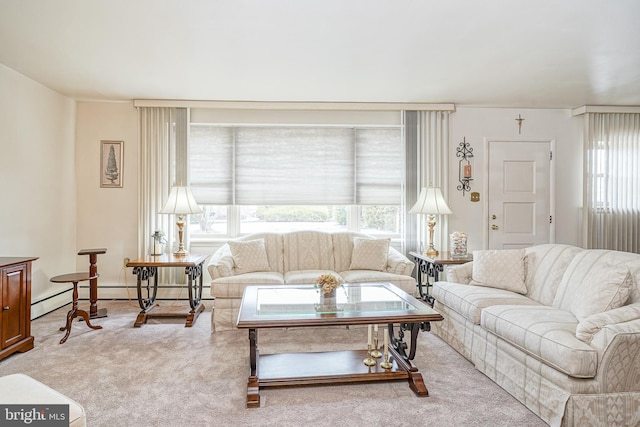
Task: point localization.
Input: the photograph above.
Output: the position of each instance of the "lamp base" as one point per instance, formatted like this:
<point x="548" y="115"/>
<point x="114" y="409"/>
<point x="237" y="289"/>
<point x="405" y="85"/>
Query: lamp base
<point x="181" y="250"/>
<point x="431" y="252"/>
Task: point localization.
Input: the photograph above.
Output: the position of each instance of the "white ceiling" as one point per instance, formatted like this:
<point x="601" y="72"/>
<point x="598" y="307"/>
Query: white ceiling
<point x="517" y="53"/>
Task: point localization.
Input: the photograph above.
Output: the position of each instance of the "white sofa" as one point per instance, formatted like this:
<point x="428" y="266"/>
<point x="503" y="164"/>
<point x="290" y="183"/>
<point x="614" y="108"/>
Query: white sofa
<point x="300" y="257"/>
<point x="565" y="341"/>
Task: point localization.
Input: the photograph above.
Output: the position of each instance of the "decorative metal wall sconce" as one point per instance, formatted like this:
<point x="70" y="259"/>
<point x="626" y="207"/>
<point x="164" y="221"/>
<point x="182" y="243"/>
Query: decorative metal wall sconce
<point x="465" y="166"/>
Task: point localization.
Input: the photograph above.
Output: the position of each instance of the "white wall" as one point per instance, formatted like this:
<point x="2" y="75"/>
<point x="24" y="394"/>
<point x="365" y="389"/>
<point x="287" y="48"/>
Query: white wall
<point x="107" y="217"/>
<point x="479" y="124"/>
<point x="37" y="183"/>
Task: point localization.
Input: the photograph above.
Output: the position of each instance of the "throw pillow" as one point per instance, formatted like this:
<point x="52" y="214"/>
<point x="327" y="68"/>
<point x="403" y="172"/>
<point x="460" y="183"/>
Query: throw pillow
<point x="588" y="327"/>
<point x="249" y="256"/>
<point x="369" y="254"/>
<point x="605" y="288"/>
<point x="501" y="269"/>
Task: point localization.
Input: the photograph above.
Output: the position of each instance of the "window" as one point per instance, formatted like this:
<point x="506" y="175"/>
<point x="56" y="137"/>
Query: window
<point x="274" y="177"/>
<point x="612" y="184"/>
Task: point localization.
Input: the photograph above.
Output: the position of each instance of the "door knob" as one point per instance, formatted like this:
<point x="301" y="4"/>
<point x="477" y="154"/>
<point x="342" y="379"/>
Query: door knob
<point x="494" y="227"/>
<point x="5" y="308"/>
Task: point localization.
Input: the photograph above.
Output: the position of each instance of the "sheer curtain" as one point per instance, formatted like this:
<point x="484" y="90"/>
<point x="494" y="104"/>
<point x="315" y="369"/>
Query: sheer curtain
<point x="163" y="138"/>
<point x="427" y="135"/>
<point x="612" y="181"/>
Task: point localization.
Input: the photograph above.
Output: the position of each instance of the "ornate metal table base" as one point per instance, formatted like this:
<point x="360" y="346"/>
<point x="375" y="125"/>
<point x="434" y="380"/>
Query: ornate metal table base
<point x="146" y="270"/>
<point x="429" y="269"/>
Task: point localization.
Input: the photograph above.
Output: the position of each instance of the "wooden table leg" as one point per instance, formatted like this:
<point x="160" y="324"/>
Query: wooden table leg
<point x="416" y="383"/>
<point x="94" y="312"/>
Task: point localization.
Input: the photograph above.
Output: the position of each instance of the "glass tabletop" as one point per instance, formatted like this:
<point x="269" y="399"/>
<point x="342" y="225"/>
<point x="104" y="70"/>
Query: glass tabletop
<point x="291" y="305"/>
<point x="349" y="298"/>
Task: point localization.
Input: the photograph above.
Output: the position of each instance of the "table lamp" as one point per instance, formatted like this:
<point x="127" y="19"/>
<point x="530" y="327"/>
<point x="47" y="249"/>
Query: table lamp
<point x="431" y="202"/>
<point x="181" y="203"/>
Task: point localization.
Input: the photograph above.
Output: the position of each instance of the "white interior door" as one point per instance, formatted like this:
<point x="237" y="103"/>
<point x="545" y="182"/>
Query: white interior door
<point x="519" y="194"/>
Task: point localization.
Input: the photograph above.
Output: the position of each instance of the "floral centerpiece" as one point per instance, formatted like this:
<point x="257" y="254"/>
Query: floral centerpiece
<point x="327" y="283"/>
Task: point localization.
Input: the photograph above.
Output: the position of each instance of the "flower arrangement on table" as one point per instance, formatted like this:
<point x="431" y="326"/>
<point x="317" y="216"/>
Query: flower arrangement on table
<point x="327" y="283"/>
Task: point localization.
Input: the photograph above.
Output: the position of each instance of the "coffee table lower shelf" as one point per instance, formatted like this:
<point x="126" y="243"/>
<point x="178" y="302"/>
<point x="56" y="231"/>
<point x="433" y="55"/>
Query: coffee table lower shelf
<point x="333" y="367"/>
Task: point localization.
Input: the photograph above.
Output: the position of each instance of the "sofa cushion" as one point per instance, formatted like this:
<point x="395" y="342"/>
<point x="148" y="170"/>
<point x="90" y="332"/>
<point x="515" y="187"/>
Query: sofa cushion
<point x="369" y="254"/>
<point x="307" y="250"/>
<point x="469" y="301"/>
<point x="501" y="269"/>
<point x="605" y="289"/>
<point x="249" y="256"/>
<point x="233" y="286"/>
<point x="544" y="267"/>
<point x="546" y="333"/>
<point x="343" y="248"/>
<point x="596" y="274"/>
<point x="590" y="326"/>
<point x="305" y="276"/>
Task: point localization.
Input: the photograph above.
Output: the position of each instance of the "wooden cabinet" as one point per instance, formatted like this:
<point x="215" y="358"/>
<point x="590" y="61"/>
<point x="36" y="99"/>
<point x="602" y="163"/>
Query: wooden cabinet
<point x="15" y="321"/>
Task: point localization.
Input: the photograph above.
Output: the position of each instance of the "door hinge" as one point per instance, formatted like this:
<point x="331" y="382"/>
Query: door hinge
<point x="550" y="155"/>
<point x="550" y="219"/>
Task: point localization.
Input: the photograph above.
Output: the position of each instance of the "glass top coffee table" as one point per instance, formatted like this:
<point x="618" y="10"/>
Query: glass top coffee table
<point x="286" y="306"/>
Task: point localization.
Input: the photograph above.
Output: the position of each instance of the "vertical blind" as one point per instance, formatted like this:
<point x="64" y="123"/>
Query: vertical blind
<point x="612" y="187"/>
<point x="279" y="164"/>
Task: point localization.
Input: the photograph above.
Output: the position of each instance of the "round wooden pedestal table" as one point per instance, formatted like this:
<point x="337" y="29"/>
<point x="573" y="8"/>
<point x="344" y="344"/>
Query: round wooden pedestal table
<point x="74" y="312"/>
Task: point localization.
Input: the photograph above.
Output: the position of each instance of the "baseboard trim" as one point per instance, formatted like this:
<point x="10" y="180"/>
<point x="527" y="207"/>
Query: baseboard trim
<point x="45" y="306"/>
<point x="113" y="293"/>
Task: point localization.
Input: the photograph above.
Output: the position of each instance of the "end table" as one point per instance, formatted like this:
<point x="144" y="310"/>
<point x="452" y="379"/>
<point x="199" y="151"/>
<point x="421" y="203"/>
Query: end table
<point x="431" y="267"/>
<point x="146" y="268"/>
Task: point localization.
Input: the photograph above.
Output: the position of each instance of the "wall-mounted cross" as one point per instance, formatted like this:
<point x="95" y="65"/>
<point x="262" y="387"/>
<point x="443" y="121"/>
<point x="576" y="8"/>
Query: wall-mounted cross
<point x="519" y="120"/>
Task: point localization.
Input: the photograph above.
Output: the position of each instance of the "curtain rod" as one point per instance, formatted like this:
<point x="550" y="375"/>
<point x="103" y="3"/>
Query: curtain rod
<point x="277" y="105"/>
<point x="604" y="109"/>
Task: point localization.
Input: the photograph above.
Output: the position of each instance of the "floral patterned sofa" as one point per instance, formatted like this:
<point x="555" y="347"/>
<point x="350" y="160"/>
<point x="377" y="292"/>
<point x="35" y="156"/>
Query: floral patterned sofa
<point x="300" y="257"/>
<point x="556" y="326"/>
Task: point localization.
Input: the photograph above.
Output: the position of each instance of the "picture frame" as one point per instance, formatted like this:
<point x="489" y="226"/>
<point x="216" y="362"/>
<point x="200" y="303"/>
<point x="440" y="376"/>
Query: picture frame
<point x="111" y="164"/>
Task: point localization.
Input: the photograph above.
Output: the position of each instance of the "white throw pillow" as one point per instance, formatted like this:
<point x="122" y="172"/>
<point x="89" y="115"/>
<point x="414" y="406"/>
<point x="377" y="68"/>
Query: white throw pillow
<point x="502" y="269"/>
<point x="249" y="256"/>
<point x="605" y="288"/>
<point x="590" y="326"/>
<point x="369" y="254"/>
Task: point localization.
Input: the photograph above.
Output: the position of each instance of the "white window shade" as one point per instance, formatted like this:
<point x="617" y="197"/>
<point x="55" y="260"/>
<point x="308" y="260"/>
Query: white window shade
<point x="296" y="165"/>
<point x="379" y="166"/>
<point x="211" y="164"/>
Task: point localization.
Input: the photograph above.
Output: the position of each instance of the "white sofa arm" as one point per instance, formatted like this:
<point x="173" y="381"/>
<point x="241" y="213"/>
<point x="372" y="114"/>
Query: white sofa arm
<point x="619" y="348"/>
<point x="398" y="263"/>
<point x="460" y="273"/>
<point x="221" y="263"/>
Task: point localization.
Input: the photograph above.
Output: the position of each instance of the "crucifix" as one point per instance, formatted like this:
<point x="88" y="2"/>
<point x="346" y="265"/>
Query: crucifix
<point x="519" y="120"/>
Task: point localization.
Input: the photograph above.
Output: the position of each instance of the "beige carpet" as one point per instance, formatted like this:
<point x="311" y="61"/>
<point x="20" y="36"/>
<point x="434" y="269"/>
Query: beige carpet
<point x="164" y="374"/>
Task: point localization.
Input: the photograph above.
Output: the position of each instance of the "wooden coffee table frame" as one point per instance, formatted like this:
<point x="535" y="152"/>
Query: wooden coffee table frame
<point x="332" y="367"/>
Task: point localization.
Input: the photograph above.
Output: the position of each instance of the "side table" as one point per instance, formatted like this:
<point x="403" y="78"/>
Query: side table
<point x="431" y="268"/>
<point x="75" y="311"/>
<point x="146" y="268"/>
<point x="94" y="312"/>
